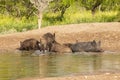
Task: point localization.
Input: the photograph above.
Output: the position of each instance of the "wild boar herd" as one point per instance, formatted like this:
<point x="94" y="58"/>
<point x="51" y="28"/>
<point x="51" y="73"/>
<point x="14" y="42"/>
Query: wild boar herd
<point x="48" y="43"/>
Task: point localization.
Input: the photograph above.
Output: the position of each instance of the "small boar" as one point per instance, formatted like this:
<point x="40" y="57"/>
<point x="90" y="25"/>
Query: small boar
<point x="30" y="44"/>
<point x="49" y="39"/>
<point x="91" y="46"/>
<point x="56" y="47"/>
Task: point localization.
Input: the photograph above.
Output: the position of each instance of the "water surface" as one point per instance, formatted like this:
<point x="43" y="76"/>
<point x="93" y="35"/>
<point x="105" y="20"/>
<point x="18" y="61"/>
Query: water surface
<point x="17" y="65"/>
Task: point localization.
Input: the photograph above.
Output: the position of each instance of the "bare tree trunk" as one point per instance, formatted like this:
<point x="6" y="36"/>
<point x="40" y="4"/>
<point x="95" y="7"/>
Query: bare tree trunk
<point x="39" y="19"/>
<point x="99" y="8"/>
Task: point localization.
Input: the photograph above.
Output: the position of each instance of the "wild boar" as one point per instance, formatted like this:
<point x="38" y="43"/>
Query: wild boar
<point x="48" y="40"/>
<point x="91" y="46"/>
<point x="30" y="44"/>
<point x="57" y="47"/>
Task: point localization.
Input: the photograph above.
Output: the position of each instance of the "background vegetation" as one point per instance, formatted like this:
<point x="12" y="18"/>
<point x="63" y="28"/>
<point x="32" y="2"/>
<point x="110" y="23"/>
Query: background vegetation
<point x="20" y="15"/>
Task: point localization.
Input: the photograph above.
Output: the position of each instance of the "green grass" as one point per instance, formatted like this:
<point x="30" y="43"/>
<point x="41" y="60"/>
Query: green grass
<point x="79" y="17"/>
<point x="10" y="24"/>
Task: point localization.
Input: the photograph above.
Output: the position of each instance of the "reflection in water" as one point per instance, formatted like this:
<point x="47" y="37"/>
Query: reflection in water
<point x="60" y="65"/>
<point x="13" y="66"/>
<point x="96" y="62"/>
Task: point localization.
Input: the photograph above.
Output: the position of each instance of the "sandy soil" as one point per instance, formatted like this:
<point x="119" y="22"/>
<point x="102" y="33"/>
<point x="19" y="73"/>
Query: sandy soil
<point x="105" y="76"/>
<point x="107" y="33"/>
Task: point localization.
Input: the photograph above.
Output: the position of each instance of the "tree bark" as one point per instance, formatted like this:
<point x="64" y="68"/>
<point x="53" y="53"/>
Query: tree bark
<point x="39" y="19"/>
<point x="63" y="9"/>
<point x="97" y="4"/>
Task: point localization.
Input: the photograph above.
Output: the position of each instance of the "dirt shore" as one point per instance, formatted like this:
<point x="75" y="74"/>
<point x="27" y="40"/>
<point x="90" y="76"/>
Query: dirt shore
<point x="105" y="76"/>
<point x="107" y="33"/>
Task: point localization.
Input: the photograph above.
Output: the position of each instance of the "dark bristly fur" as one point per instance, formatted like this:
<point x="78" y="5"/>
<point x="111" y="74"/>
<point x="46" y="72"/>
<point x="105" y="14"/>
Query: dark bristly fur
<point x="49" y="39"/>
<point x="91" y="46"/>
<point x="29" y="44"/>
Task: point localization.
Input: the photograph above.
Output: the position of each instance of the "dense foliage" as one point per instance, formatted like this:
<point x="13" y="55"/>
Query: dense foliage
<point x="19" y="15"/>
<point x="17" y="8"/>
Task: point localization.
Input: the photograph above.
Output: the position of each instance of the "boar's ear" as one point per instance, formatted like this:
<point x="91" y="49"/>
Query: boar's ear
<point x="99" y="42"/>
<point x="20" y="42"/>
<point x="40" y="40"/>
<point x="54" y="34"/>
<point x="93" y="43"/>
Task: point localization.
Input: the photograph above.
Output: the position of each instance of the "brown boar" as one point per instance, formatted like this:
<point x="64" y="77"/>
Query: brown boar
<point x="30" y="44"/>
<point x="48" y="40"/>
<point x="56" y="47"/>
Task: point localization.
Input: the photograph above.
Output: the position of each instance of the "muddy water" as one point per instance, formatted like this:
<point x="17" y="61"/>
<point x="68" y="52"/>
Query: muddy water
<point x="17" y="65"/>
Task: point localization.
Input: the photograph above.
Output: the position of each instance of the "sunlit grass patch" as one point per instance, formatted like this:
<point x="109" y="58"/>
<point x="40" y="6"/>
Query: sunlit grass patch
<point x="10" y="24"/>
<point x="88" y="17"/>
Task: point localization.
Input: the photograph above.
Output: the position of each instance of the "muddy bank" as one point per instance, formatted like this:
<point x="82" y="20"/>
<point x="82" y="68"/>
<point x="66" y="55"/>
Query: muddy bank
<point x="107" y="33"/>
